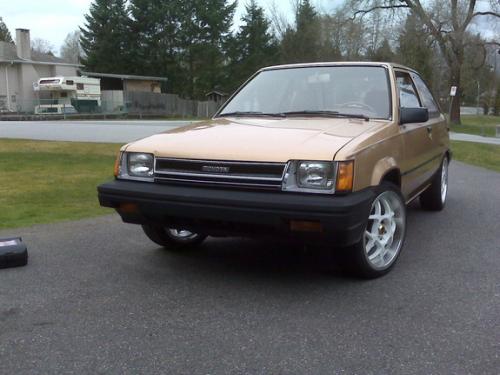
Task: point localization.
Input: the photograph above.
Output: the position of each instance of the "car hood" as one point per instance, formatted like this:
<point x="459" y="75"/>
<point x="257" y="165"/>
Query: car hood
<point x="256" y="139"/>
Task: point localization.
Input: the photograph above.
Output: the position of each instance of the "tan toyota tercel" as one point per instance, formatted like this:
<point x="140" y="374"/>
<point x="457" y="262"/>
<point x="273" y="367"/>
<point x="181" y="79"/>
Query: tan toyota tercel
<point x="325" y="152"/>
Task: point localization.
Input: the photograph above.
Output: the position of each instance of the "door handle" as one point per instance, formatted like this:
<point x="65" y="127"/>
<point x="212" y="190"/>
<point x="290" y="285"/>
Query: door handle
<point x="429" y="131"/>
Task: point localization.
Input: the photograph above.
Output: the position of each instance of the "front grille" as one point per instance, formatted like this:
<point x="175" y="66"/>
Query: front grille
<point x="220" y="173"/>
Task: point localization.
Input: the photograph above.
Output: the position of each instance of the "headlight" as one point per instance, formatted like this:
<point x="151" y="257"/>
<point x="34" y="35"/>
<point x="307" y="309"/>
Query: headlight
<point x="140" y="165"/>
<point x="136" y="166"/>
<point x="315" y="175"/>
<point x="310" y="176"/>
<point x="326" y="177"/>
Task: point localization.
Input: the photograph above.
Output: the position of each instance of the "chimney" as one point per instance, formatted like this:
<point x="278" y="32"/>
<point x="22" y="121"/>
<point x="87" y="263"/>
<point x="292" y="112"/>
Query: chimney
<point x="23" y="44"/>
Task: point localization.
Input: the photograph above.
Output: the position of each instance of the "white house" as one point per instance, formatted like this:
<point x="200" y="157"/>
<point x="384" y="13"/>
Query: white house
<point x="21" y="68"/>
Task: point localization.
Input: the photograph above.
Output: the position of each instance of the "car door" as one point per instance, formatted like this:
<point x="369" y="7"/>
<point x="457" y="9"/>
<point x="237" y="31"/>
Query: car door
<point x="440" y="135"/>
<point x="418" y="164"/>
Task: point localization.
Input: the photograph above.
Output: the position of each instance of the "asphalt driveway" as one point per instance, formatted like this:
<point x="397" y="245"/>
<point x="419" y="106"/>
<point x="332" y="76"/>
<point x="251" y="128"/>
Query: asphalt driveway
<point x="97" y="297"/>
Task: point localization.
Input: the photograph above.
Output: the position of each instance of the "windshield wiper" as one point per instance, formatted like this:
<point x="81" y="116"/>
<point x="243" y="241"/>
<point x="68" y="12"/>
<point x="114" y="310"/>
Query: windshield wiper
<point x="250" y="113"/>
<point x="326" y="114"/>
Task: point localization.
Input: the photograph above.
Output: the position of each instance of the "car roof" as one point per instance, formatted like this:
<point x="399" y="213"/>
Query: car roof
<point x="338" y="63"/>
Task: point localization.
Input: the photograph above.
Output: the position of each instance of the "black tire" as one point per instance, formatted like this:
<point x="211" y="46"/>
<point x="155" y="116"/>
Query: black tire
<point x="432" y="198"/>
<point x="354" y="259"/>
<point x="161" y="236"/>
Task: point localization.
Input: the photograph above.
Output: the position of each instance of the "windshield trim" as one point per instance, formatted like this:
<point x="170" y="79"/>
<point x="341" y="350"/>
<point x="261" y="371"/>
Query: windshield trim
<point x="386" y="67"/>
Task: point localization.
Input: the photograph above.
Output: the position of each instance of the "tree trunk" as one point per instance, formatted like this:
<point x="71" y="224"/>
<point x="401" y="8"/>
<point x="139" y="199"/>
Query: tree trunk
<point x="455" y="101"/>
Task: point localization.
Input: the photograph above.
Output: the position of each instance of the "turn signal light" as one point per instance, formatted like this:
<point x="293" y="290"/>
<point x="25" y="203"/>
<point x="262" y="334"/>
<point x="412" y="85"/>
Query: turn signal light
<point x="345" y="176"/>
<point x="305" y="226"/>
<point x="128" y="208"/>
<point x="117" y="164"/>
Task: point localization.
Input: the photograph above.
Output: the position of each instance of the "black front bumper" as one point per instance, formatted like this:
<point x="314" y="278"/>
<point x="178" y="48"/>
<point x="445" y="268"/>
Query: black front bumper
<point x="225" y="212"/>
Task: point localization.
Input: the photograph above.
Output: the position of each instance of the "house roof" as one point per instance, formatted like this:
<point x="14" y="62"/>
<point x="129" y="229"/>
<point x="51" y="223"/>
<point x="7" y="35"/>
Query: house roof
<point x="8" y="53"/>
<point x="47" y="57"/>
<point x="124" y="76"/>
<point x="216" y="92"/>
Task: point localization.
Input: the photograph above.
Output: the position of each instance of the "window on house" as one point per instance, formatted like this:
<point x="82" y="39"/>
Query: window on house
<point x="79" y="86"/>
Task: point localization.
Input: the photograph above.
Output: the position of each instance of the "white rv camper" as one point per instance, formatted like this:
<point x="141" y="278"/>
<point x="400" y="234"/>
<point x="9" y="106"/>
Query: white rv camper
<point x="68" y="95"/>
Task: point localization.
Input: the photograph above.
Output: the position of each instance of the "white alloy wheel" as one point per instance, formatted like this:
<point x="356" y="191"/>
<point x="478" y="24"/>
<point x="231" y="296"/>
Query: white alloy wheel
<point x="173" y="238"/>
<point x="434" y="197"/>
<point x="385" y="230"/>
<point x="444" y="180"/>
<point x="181" y="234"/>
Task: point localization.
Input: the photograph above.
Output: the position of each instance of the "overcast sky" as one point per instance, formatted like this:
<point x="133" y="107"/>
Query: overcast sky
<point x="54" y="19"/>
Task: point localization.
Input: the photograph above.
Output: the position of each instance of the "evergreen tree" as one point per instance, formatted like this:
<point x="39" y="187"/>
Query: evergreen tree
<point x="330" y="39"/>
<point x="104" y="37"/>
<point x="4" y="33"/>
<point x="253" y="47"/>
<point x="476" y="71"/>
<point x="414" y="50"/>
<point x="382" y="53"/>
<point x="303" y="43"/>
<point x="204" y="34"/>
<point x="182" y="40"/>
<point x="153" y="37"/>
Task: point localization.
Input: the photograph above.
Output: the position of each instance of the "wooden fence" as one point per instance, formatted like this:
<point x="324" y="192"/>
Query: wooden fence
<point x="148" y="103"/>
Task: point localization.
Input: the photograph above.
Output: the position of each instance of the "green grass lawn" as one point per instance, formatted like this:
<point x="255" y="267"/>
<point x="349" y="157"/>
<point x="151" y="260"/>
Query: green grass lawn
<point x="482" y="155"/>
<point x="43" y="182"/>
<point x="472" y="124"/>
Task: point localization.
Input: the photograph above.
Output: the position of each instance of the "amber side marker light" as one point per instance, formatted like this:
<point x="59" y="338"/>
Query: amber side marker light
<point x="117" y="164"/>
<point x="345" y="176"/>
<point x="128" y="208"/>
<point x="305" y="226"/>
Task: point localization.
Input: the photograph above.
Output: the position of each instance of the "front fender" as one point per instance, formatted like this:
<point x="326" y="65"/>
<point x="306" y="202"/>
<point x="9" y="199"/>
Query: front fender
<point x="381" y="168"/>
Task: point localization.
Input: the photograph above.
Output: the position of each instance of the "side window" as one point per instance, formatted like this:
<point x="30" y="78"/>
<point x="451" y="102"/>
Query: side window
<point x="408" y="97"/>
<point x="79" y="86"/>
<point x="427" y="98"/>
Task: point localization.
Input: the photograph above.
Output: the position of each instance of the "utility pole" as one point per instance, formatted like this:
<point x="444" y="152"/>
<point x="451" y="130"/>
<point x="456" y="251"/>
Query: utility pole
<point x="494" y="91"/>
<point x="477" y="100"/>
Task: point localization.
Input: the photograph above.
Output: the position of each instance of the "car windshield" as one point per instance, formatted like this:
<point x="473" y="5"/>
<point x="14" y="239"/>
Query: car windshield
<point x="352" y="91"/>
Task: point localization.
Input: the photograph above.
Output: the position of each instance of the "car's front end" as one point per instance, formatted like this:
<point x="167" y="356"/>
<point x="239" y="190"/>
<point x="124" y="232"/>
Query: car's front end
<point x="312" y="199"/>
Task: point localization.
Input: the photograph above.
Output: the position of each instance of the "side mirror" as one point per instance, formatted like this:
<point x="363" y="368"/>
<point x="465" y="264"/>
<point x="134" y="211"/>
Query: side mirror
<point x="413" y="115"/>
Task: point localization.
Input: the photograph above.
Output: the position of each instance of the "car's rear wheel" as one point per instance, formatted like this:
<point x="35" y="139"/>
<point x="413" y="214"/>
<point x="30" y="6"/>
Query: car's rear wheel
<point x="434" y="197"/>
<point x="378" y="249"/>
<point x="173" y="238"/>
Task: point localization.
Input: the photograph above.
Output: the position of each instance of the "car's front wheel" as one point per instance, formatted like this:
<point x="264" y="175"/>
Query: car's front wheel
<point x="378" y="249"/>
<point x="172" y="238"/>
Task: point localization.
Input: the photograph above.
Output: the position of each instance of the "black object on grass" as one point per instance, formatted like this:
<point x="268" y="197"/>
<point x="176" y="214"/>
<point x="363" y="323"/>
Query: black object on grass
<point x="13" y="252"/>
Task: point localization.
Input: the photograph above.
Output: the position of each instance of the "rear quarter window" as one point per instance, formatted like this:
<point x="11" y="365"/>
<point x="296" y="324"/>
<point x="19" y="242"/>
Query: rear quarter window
<point x="426" y="96"/>
<point x="408" y="97"/>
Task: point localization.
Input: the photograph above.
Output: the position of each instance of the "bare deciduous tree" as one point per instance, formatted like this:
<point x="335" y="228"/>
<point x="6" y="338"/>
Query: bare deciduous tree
<point x="71" y="49"/>
<point x="447" y="23"/>
<point x="42" y="46"/>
